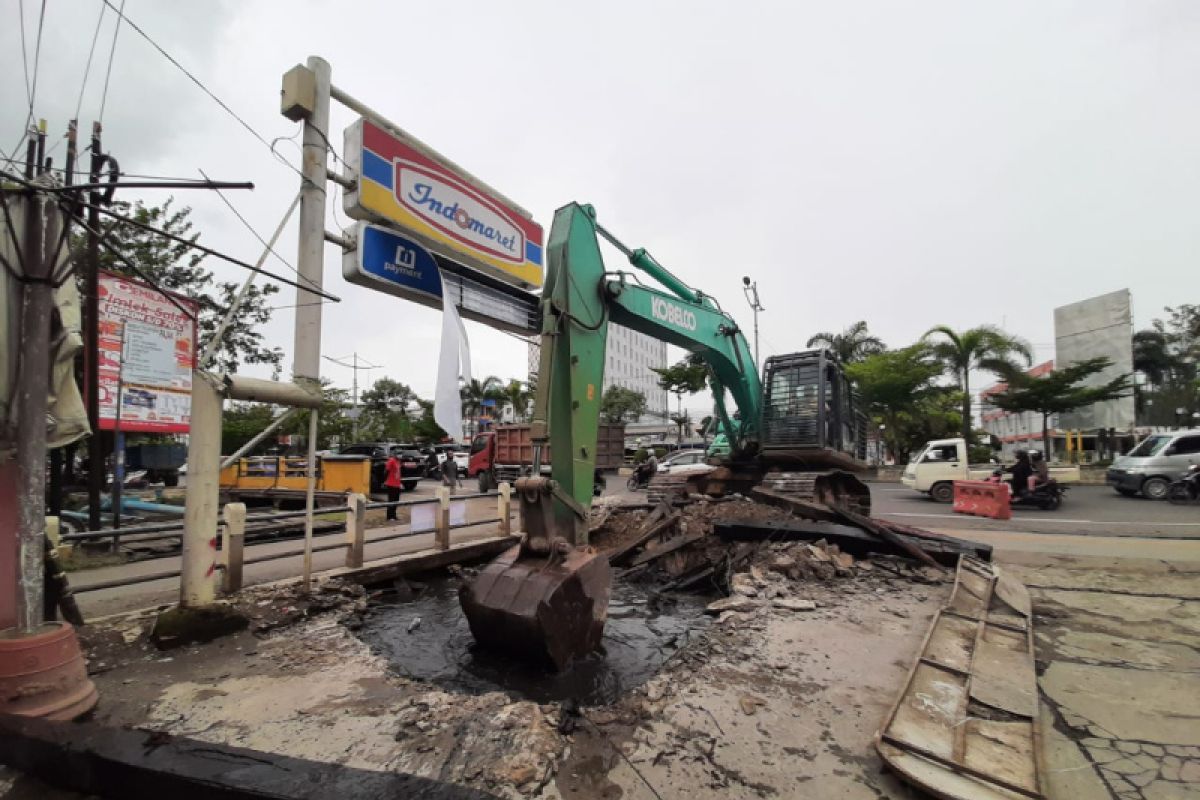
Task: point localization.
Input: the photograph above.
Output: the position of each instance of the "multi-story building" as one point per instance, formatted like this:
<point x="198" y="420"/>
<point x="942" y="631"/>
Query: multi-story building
<point x="630" y="357"/>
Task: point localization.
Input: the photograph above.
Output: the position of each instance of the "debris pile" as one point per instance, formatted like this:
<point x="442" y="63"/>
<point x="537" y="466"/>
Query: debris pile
<point x="754" y="547"/>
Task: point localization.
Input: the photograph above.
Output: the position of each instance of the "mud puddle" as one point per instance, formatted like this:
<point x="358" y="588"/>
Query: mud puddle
<point x="643" y="630"/>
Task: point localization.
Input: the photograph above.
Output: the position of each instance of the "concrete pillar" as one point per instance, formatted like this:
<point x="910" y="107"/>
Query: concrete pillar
<point x="197" y="586"/>
<point x="441" y="536"/>
<point x="233" y="545"/>
<point x="504" y="508"/>
<point x="356" y="530"/>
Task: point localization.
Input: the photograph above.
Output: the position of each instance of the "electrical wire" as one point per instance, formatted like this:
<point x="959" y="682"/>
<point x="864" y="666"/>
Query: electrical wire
<point x="198" y="82"/>
<point x="87" y="69"/>
<point x="258" y="236"/>
<point x="25" y="58"/>
<point x="37" y="56"/>
<point x="111" y="52"/>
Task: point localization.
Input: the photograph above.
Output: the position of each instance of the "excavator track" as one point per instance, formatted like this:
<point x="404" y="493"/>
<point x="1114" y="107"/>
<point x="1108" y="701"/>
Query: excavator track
<point x="832" y="488"/>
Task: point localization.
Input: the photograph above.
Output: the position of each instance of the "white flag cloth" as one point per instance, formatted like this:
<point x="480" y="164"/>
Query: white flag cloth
<point x="453" y="361"/>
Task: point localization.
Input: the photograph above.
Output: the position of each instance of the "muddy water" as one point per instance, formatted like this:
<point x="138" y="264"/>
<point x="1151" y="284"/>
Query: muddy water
<point x="643" y="630"/>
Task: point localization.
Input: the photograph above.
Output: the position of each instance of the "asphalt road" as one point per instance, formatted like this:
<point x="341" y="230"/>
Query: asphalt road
<point x="1086" y="510"/>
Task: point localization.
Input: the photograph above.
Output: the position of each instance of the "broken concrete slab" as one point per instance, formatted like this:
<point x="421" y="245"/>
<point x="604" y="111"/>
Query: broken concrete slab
<point x="1140" y="705"/>
<point x="794" y="604"/>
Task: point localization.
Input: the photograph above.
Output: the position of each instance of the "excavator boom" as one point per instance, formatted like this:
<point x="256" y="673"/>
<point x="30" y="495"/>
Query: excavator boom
<point x="549" y="596"/>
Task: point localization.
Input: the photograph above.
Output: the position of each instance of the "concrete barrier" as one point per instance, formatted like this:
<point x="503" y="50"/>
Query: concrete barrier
<point x="982" y="499"/>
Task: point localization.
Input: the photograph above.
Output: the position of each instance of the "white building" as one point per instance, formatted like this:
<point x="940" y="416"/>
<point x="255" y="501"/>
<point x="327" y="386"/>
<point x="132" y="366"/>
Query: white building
<point x="630" y="356"/>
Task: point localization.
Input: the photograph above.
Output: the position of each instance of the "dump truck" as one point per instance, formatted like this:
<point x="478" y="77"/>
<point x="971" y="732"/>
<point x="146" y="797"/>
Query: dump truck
<point x="506" y="453"/>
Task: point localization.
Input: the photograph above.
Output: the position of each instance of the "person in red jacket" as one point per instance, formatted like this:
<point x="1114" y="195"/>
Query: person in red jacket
<point x="392" y="483"/>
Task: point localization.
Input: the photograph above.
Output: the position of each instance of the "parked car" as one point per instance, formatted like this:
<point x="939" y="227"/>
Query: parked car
<point x="462" y="460"/>
<point x="1158" y="460"/>
<point x="412" y="462"/>
<point x="685" y="462"/>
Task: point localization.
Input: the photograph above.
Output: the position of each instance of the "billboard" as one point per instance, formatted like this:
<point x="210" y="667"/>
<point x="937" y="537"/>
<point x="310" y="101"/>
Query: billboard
<point x="398" y="265"/>
<point x="149" y="347"/>
<point x="1099" y="326"/>
<point x="440" y="207"/>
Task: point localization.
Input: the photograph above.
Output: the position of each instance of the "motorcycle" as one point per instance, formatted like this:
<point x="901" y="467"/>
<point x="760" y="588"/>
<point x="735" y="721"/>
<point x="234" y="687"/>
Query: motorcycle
<point x="1047" y="496"/>
<point x="1186" y="490"/>
<point x="639" y="479"/>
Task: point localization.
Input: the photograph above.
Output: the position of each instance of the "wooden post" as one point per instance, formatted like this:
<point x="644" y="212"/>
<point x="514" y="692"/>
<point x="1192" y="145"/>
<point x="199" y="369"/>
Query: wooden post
<point x="441" y="536"/>
<point x="356" y="530"/>
<point x="233" y="541"/>
<point x="504" y="508"/>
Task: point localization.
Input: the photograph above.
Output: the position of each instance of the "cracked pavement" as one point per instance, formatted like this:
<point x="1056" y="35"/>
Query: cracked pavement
<point x="1118" y="648"/>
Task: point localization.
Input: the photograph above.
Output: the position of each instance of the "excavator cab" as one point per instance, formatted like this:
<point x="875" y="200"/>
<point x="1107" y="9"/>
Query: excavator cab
<point x="811" y="412"/>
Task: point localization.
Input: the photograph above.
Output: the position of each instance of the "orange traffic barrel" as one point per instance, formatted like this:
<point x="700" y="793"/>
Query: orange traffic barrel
<point x="44" y="674"/>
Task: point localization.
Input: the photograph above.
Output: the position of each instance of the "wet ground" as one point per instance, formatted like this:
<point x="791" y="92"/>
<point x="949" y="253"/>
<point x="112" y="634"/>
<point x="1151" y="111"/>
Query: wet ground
<point x="424" y="636"/>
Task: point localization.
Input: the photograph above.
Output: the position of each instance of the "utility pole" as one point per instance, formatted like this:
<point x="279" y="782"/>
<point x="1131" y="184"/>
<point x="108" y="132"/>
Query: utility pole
<point x="751" y="292"/>
<point x="341" y="362"/>
<point x="91" y="338"/>
<point x="42" y="227"/>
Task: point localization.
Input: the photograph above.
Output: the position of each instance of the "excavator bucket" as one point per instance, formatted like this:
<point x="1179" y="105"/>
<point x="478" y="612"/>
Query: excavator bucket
<point x="549" y="607"/>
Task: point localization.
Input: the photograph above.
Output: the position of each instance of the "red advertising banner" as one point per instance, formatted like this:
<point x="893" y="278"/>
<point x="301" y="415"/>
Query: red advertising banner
<point x="153" y="399"/>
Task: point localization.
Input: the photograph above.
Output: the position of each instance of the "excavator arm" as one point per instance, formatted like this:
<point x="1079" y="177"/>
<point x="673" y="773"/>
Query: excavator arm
<point x="550" y="595"/>
<point x="579" y="300"/>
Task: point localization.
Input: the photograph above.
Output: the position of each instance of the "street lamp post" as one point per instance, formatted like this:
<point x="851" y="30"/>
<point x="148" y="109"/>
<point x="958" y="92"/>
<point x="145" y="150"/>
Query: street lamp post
<point x="750" y="289"/>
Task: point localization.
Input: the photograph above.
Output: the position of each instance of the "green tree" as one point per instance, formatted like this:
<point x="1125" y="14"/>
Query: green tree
<point x="334" y="427"/>
<point x="619" y="404"/>
<point x="851" y="345"/>
<point x="425" y="427"/>
<point x="241" y="422"/>
<point x="1167" y="354"/>
<point x="687" y="376"/>
<point x="1059" y="391"/>
<point x="475" y="391"/>
<point x="176" y="267"/>
<point x="517" y="396"/>
<point x="986" y="348"/>
<point x="385" y="409"/>
<point x="898" y="391"/>
<point x="682" y="420"/>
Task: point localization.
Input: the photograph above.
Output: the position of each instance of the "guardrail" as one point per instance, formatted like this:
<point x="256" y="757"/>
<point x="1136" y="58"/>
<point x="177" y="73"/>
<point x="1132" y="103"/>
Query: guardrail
<point x="236" y="523"/>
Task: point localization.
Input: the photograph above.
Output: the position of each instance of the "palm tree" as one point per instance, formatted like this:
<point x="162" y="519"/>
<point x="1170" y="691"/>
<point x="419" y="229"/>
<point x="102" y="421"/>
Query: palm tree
<point x="475" y="391"/>
<point x="1152" y="356"/>
<point x="986" y="347"/>
<point x="517" y="396"/>
<point x="852" y="344"/>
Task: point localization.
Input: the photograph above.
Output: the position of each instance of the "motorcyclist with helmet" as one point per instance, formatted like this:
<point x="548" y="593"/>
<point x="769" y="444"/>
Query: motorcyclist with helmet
<point x="1021" y="473"/>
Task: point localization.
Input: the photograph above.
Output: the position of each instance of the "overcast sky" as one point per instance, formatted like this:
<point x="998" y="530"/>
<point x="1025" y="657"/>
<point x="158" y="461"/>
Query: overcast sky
<point x="904" y="163"/>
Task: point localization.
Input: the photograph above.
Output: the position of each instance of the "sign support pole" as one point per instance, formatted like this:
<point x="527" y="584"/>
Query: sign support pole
<point x="118" y="446"/>
<point x="310" y="266"/>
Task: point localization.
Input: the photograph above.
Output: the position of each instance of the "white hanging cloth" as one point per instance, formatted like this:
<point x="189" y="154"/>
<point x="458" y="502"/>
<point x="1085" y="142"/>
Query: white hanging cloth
<point x="453" y="361"/>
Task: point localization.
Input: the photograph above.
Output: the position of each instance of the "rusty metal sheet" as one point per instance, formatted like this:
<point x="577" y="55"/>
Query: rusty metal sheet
<point x="1001" y="678"/>
<point x="1014" y="594"/>
<point x="952" y="643"/>
<point x="965" y="725"/>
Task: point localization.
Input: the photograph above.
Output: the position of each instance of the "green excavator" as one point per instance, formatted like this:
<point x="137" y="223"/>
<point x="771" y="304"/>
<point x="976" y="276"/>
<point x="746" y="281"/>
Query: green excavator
<point x="797" y="431"/>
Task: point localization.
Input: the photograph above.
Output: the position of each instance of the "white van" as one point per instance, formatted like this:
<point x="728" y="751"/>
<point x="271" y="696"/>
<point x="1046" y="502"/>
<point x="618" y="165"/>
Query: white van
<point x="1158" y="460"/>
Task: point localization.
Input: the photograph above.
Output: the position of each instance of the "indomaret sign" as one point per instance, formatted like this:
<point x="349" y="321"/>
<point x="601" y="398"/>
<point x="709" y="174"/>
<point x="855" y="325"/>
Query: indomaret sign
<point x="441" y="209"/>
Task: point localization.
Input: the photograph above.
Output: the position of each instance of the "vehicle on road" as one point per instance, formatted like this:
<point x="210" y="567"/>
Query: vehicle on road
<point x="1186" y="490"/>
<point x="412" y="463"/>
<point x="506" y="453"/>
<point x="1047" y="496"/>
<point x="941" y="462"/>
<point x="685" y="462"/>
<point x="1158" y="460"/>
<point x="462" y="460"/>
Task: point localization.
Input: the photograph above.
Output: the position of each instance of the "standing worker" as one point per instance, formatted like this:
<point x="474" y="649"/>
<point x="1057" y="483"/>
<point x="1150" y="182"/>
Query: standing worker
<point x="450" y="472"/>
<point x="392" y="482"/>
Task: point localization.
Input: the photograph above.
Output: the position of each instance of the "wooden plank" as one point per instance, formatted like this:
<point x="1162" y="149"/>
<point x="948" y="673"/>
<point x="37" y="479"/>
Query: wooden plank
<point x="387" y="569"/>
<point x="659" y="520"/>
<point x="849" y="539"/>
<point x="669" y="547"/>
